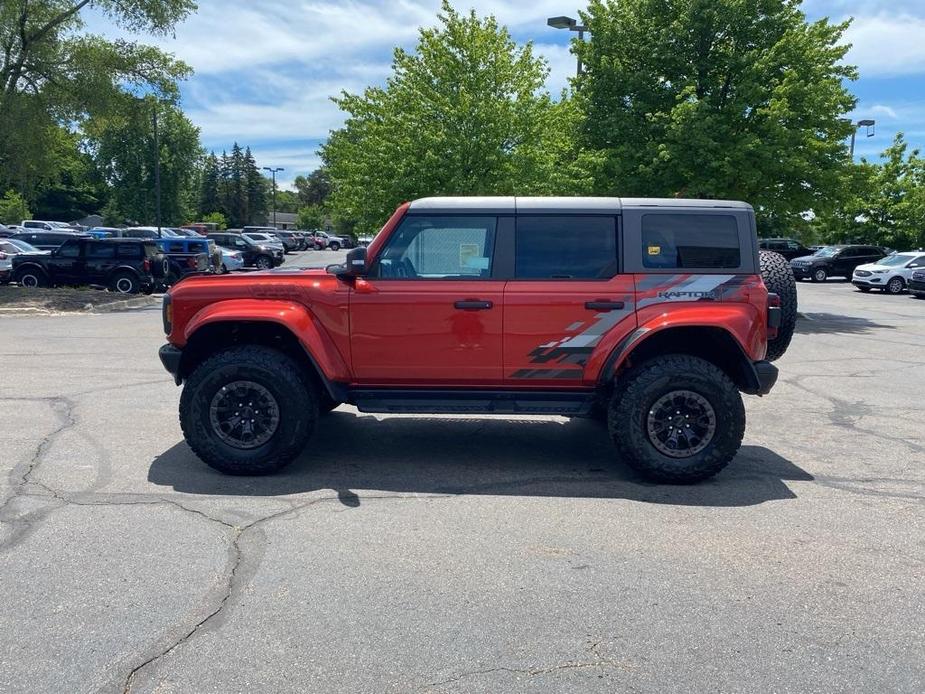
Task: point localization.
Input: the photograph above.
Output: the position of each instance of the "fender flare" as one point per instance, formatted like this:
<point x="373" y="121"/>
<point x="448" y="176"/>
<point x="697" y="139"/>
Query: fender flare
<point x="319" y="349"/>
<point x="31" y="264"/>
<point x="748" y="378"/>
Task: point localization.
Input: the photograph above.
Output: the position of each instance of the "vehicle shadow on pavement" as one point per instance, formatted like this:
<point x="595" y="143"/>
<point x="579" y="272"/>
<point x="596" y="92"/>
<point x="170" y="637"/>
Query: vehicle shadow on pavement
<point x="833" y="323"/>
<point x="504" y="457"/>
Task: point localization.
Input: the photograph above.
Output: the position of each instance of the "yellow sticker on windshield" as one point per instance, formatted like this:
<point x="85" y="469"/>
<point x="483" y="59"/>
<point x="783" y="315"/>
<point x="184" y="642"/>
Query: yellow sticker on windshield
<point x="655" y="250"/>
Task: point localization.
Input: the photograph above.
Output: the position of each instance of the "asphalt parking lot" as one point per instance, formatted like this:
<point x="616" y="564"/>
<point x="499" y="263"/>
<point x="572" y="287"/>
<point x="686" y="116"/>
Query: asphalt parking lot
<point x="451" y="554"/>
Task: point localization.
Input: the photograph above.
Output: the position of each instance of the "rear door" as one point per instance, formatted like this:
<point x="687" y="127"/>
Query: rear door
<point x="100" y="261"/>
<point x="429" y="312"/>
<point x="566" y="296"/>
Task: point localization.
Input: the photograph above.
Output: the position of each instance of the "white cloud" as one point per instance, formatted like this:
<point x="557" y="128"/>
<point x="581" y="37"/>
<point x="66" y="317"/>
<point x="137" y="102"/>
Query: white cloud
<point x="887" y="44"/>
<point x="882" y="110"/>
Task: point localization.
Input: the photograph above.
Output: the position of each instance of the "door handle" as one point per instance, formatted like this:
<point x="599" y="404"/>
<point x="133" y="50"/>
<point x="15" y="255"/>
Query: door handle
<point x="601" y="305"/>
<point x="473" y="305"/>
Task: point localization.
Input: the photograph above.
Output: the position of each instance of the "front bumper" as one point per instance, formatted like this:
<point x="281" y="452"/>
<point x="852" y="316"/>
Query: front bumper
<point x="170" y="358"/>
<point x="873" y="281"/>
<point x="801" y="272"/>
<point x="916" y="287"/>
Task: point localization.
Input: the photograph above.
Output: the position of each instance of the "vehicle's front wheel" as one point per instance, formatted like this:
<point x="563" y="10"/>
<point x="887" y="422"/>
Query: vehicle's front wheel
<point x="31" y="278"/>
<point x="264" y="262"/>
<point x="896" y="286"/>
<point x="248" y="410"/>
<point x="820" y="274"/>
<point x="334" y="246"/>
<point x="676" y="419"/>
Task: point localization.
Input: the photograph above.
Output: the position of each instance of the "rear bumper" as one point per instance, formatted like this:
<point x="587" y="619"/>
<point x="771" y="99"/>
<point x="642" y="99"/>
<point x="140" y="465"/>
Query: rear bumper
<point x="170" y="358"/>
<point x="764" y="377"/>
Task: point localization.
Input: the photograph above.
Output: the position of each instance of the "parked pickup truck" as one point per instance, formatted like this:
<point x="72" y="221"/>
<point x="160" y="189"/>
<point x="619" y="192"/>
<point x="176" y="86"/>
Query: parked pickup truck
<point x="653" y="315"/>
<point x="127" y="266"/>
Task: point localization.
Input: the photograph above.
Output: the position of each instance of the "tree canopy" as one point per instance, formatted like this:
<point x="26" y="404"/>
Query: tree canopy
<point x="722" y="98"/>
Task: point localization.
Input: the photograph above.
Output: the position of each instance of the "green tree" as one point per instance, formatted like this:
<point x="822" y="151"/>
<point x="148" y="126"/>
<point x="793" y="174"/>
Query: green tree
<point x="315" y="188"/>
<point x="722" y="98"/>
<point x="209" y="187"/>
<point x="884" y="203"/>
<point x="311" y="217"/>
<point x="13" y="208"/>
<point x="52" y="74"/>
<point x="124" y="149"/>
<point x="257" y="188"/>
<point x="463" y="114"/>
<point x="287" y="200"/>
<point x="215" y="218"/>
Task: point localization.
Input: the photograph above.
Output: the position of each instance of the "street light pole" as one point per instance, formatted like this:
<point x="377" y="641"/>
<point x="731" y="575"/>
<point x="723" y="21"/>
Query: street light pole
<point x="157" y="174"/>
<point x="868" y="123"/>
<point x="572" y="25"/>
<point x="273" y="173"/>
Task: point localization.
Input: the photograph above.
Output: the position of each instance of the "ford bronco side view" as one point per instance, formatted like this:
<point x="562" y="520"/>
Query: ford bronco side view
<point x="654" y="315"/>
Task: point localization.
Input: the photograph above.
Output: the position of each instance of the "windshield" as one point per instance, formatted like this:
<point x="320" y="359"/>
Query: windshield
<point x="258" y="237"/>
<point x="827" y="251"/>
<point x="895" y="260"/>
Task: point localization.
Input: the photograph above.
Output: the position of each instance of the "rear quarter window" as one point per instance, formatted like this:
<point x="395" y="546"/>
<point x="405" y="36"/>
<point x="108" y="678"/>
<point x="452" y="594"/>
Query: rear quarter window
<point x="690" y="241"/>
<point x="130" y="251"/>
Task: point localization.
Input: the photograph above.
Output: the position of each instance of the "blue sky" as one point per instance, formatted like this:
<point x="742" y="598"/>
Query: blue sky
<point x="265" y="70"/>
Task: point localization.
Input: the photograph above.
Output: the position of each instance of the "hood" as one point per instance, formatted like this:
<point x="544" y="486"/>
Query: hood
<point x="806" y="259"/>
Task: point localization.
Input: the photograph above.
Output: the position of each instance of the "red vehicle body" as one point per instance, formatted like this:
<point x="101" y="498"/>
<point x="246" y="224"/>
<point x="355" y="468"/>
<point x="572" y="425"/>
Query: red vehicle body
<point x="400" y="340"/>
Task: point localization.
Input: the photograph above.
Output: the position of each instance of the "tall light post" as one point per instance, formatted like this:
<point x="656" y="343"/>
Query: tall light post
<point x="572" y="25"/>
<point x="157" y="161"/>
<point x="866" y="123"/>
<point x="273" y="173"/>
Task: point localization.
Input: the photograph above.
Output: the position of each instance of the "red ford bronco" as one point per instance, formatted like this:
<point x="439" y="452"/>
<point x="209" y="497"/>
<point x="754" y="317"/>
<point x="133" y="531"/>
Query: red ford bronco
<point x="652" y="314"/>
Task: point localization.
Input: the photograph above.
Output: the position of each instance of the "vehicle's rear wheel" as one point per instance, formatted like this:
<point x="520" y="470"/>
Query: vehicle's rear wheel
<point x="334" y="246"/>
<point x="264" y="262"/>
<point x="125" y="283"/>
<point x="778" y="278"/>
<point x="896" y="286"/>
<point x="820" y="274"/>
<point x="31" y="278"/>
<point x="676" y="419"/>
<point x="248" y="410"/>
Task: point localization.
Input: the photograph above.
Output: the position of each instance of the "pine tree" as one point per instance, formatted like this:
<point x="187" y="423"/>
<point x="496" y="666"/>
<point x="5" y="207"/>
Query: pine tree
<point x="256" y="185"/>
<point x="209" y="192"/>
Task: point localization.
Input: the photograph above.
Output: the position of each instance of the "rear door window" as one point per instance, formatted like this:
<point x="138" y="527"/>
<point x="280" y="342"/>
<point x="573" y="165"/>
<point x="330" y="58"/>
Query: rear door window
<point x="128" y="251"/>
<point x="565" y="247"/>
<point x="101" y="251"/>
<point x="690" y="241"/>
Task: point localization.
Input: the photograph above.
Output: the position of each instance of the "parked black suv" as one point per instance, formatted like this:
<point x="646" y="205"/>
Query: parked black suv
<point x="127" y="266"/>
<point x="788" y="248"/>
<point x="47" y="240"/>
<point x="834" y="261"/>
<point x="254" y="254"/>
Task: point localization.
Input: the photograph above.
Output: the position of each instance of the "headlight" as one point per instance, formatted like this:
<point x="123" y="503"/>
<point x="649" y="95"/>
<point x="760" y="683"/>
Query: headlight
<point x="878" y="272"/>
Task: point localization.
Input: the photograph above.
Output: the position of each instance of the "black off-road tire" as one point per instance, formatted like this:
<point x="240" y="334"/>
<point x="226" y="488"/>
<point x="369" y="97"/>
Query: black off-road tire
<point x="31" y="278"/>
<point x="641" y="387"/>
<point x="124" y="283"/>
<point x="295" y="397"/>
<point x="778" y="278"/>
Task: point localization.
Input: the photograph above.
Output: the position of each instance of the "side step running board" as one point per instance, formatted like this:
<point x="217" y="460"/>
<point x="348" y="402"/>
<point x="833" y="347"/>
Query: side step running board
<point x="383" y="401"/>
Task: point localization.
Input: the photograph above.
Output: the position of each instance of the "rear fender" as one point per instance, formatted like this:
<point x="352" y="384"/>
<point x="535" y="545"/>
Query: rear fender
<point x="737" y="321"/>
<point x="297" y="319"/>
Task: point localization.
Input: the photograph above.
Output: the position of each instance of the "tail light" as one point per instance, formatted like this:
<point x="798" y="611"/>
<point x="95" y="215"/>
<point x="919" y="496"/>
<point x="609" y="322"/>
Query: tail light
<point x="146" y="265"/>
<point x="774" y="315"/>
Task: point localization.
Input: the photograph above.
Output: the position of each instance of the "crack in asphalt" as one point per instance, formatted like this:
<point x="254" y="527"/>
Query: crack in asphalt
<point x="601" y="662"/>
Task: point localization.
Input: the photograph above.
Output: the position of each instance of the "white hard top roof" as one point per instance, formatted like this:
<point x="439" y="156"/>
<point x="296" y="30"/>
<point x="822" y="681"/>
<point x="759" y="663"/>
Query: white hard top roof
<point x="590" y="205"/>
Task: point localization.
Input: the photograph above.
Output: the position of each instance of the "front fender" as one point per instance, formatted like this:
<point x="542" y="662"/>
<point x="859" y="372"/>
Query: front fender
<point x="294" y="317"/>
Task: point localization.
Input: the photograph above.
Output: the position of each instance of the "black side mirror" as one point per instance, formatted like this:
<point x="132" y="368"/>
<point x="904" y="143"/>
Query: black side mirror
<point x="354" y="267"/>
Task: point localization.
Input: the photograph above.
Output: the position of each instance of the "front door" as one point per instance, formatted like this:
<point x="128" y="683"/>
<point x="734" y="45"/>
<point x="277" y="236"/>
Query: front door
<point x="66" y="263"/>
<point x="566" y="297"/>
<point x="429" y="312"/>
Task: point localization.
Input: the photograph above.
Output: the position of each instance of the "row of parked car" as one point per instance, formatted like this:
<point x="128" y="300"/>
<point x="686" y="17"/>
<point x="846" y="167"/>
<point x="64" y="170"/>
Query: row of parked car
<point x="141" y="259"/>
<point x="867" y="267"/>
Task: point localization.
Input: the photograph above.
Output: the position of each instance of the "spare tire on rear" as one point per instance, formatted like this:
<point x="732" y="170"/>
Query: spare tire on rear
<point x="779" y="279"/>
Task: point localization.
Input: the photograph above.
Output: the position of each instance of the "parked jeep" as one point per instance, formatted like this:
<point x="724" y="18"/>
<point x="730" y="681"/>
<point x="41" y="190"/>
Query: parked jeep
<point x="127" y="266"/>
<point x="655" y="317"/>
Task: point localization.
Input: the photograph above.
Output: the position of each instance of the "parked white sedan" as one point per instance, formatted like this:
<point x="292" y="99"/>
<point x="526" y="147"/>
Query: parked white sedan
<point x="231" y="260"/>
<point x="890" y="274"/>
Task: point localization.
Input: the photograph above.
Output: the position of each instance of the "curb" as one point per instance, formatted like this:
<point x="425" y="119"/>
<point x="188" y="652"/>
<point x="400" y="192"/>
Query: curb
<point x="113" y="307"/>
